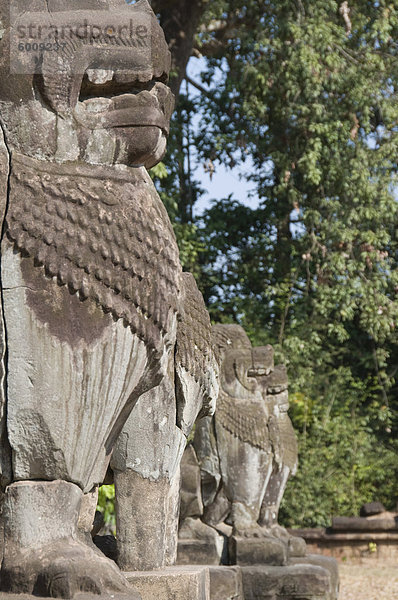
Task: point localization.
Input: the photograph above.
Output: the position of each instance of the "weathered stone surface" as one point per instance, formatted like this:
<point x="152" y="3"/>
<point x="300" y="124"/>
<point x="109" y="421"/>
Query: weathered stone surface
<point x="150" y="443"/>
<point x="87" y="513"/>
<point x="257" y="551"/>
<point x="248" y="451"/>
<point x="178" y="583"/>
<point x="226" y="583"/>
<point x="47" y="389"/>
<point x="238" y="436"/>
<point x="326" y="562"/>
<point x="216" y="504"/>
<point x="194" y="529"/>
<point x="200" y="544"/>
<point x="299" y="582"/>
<point x="364" y="524"/>
<point x="198" y="552"/>
<point x="148" y="454"/>
<point x="143" y="525"/>
<point x="43" y="554"/>
<point x="146" y="472"/>
<point x="285" y="453"/>
<point x="296" y="545"/>
<point x="371" y="508"/>
<point x="196" y="365"/>
<point x="191" y="504"/>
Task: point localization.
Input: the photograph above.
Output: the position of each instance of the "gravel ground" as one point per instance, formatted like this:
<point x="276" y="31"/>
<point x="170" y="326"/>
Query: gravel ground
<point x="368" y="582"/>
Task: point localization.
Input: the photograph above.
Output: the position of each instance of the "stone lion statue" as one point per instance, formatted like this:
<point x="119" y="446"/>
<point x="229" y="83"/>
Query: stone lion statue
<point x="92" y="288"/>
<point x="147" y="457"/>
<point x="248" y="450"/>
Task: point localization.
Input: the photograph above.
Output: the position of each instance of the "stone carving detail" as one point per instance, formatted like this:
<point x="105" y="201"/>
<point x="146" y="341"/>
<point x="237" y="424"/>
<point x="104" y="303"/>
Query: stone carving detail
<point x="196" y="360"/>
<point x="148" y="454"/>
<point x="247" y="452"/>
<point x="248" y="427"/>
<point x="96" y="321"/>
<point x="285" y="453"/>
<point x="89" y="234"/>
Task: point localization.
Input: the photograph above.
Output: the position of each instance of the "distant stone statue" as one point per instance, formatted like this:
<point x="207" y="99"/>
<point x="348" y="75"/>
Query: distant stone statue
<point x="248" y="450"/>
<point x="243" y="447"/>
<point x="234" y="475"/>
<point x="285" y="456"/>
<point x="91" y="283"/>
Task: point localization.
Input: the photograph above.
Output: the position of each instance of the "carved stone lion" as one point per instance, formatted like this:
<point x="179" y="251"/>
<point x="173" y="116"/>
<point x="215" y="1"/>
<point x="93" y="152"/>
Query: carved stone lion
<point x="91" y="283"/>
<point x="147" y="457"/>
<point x="248" y="449"/>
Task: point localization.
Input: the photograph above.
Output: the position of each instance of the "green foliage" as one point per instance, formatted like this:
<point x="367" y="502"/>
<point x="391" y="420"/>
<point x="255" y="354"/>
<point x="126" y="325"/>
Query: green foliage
<point x="342" y="462"/>
<point x="106" y="505"/>
<point x="342" y="466"/>
<point x="308" y="93"/>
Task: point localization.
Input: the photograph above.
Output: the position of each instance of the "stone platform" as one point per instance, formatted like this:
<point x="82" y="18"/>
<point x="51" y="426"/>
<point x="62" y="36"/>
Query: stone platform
<point x="310" y="578"/>
<point x="352" y="546"/>
<point x="172" y="583"/>
<point x="81" y="596"/>
<point x="226" y="583"/>
<point x="326" y="562"/>
<point x="293" y="582"/>
<point x="263" y="571"/>
<point x="198" y="552"/>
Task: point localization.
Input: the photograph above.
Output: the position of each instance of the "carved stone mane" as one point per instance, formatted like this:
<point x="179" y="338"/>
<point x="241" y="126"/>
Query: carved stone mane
<point x="195" y="352"/>
<point x="245" y="420"/>
<point x="102" y="233"/>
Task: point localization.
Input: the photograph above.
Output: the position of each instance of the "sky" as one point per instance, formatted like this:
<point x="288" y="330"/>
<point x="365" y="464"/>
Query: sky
<point x="224" y="181"/>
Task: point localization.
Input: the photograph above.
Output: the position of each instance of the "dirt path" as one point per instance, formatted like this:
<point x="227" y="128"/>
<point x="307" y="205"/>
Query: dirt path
<point x="368" y="582"/>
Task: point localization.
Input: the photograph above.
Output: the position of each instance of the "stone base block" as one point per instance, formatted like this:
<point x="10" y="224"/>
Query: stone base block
<point x="326" y="562"/>
<point x="80" y="596"/>
<point x="176" y="583"/>
<point x="257" y="551"/>
<point x="198" y="552"/>
<point x="226" y="583"/>
<point x="296" y="582"/>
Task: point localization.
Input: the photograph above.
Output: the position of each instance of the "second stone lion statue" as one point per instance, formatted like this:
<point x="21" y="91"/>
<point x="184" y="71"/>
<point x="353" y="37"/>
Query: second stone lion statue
<point x="248" y="450"/>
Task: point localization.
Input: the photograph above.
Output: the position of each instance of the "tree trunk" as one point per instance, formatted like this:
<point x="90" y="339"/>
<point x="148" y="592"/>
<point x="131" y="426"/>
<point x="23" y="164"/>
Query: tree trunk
<point x="180" y="21"/>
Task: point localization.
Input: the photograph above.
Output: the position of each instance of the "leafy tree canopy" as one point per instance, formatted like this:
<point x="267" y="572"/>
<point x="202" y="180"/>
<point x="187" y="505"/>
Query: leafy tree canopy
<point x="303" y="96"/>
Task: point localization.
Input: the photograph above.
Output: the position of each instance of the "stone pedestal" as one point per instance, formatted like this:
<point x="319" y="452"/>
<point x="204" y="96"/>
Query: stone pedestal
<point x="199" y="552"/>
<point x="326" y="562"/>
<point x="226" y="583"/>
<point x="295" y="582"/>
<point x="178" y="583"/>
<point x="80" y="596"/>
<point x="257" y="551"/>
